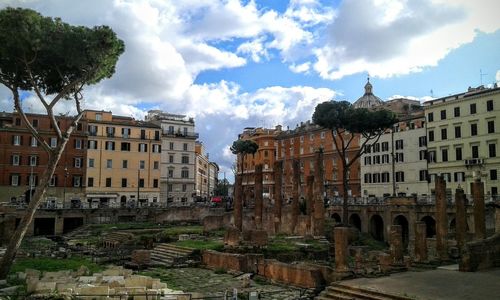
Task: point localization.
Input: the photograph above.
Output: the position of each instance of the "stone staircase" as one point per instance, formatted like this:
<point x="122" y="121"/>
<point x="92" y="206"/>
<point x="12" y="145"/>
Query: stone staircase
<point x="115" y="239"/>
<point x="339" y="291"/>
<point x="170" y="255"/>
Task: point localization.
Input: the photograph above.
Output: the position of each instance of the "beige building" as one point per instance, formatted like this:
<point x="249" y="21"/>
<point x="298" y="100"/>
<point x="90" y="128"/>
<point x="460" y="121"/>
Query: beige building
<point x="123" y="160"/>
<point x="178" y="156"/>
<point x="206" y="174"/>
<point x="463" y="137"/>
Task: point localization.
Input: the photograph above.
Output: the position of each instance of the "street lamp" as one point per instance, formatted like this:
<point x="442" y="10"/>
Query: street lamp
<point x="65" y="179"/>
<point x="169" y="175"/>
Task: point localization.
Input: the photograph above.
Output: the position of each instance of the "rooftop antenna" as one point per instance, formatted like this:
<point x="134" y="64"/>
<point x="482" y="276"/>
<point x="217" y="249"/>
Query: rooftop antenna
<point x="481" y="74"/>
<point x="432" y="93"/>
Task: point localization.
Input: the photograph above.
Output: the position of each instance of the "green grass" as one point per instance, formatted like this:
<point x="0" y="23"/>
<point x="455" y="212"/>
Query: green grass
<point x="51" y="264"/>
<point x="365" y="239"/>
<point x="122" y="226"/>
<point x="164" y="277"/>
<point x="201" y="245"/>
<point x="191" y="229"/>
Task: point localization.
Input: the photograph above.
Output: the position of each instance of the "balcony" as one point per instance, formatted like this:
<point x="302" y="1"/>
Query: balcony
<point x="471" y="162"/>
<point x="194" y="135"/>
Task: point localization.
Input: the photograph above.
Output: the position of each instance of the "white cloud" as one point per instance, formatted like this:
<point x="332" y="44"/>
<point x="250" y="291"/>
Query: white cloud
<point x="301" y="68"/>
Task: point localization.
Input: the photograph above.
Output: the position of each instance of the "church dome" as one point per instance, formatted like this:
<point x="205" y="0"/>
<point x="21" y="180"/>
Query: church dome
<point x="368" y="100"/>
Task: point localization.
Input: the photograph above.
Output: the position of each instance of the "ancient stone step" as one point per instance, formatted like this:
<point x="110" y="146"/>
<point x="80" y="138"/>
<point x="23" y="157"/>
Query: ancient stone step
<point x="375" y="294"/>
<point x="169" y="255"/>
<point x="344" y="292"/>
<point x="353" y="294"/>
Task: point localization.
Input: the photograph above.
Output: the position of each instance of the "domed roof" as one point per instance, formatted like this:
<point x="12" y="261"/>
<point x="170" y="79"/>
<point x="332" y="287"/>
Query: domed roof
<point x="368" y="100"/>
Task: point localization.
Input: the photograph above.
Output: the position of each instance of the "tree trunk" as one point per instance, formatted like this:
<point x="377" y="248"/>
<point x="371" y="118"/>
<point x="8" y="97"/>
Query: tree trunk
<point x="29" y="215"/>
<point x="345" y="204"/>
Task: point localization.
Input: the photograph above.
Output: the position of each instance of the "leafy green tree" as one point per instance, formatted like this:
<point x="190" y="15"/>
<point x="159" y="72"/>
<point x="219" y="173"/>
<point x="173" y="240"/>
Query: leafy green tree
<point x="347" y="123"/>
<point x="243" y="148"/>
<point x="221" y="187"/>
<point x="54" y="61"/>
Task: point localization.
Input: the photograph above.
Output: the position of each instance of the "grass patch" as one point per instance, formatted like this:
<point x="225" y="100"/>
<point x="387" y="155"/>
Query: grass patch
<point x="191" y="229"/>
<point x="122" y="226"/>
<point x="164" y="277"/>
<point x="365" y="239"/>
<point x="52" y="265"/>
<point x="201" y="245"/>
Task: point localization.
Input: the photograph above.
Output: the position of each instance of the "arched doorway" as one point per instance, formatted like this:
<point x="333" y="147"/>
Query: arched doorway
<point x="355" y="221"/>
<point x="403" y="222"/>
<point x="453" y="225"/>
<point x="377" y="227"/>
<point x="430" y="224"/>
<point x="337" y="218"/>
<point x="123" y="201"/>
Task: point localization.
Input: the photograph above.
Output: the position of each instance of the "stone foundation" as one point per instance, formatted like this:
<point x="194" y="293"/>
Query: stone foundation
<point x="482" y="254"/>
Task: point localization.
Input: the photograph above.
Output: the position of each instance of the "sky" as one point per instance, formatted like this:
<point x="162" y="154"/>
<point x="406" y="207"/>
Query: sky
<point x="240" y="63"/>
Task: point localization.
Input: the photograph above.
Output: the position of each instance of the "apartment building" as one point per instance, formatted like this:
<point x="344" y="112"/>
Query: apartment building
<point x="178" y="158"/>
<point x="123" y="160"/>
<point x="463" y="138"/>
<point x="23" y="160"/>
<point x="206" y="174"/>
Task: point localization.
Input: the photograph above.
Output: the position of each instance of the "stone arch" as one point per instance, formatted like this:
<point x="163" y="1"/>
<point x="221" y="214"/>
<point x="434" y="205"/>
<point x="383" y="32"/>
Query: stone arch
<point x="453" y="225"/>
<point x="337" y="218"/>
<point x="377" y="227"/>
<point x="430" y="225"/>
<point x="355" y="221"/>
<point x="402" y="221"/>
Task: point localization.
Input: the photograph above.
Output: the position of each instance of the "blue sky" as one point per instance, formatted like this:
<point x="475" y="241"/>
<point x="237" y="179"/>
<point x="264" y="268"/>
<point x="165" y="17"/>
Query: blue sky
<point x="233" y="64"/>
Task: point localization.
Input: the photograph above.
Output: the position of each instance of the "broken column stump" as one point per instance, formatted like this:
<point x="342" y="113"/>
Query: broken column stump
<point x="441" y="219"/>
<point x="341" y="237"/>
<point x="396" y="244"/>
<point x="420" y="242"/>
<point x="258" y="196"/>
<point x="460" y="219"/>
<point x="477" y="188"/>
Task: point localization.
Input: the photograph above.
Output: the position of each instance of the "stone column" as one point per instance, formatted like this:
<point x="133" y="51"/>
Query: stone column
<point x="238" y="203"/>
<point x="460" y="219"/>
<point x="420" y="241"/>
<point x="258" y="196"/>
<point x="310" y="194"/>
<point x="396" y="242"/>
<point x="278" y="201"/>
<point x="441" y="219"/>
<point x="295" y="200"/>
<point x="319" y="189"/>
<point x="341" y="237"/>
<point x="477" y="188"/>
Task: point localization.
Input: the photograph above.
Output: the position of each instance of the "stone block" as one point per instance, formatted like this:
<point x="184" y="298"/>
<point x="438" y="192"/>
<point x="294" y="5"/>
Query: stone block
<point x="43" y="287"/>
<point x="232" y="237"/>
<point x="183" y="237"/>
<point x="118" y="271"/>
<point x="65" y="287"/>
<point x="31" y="283"/>
<point x="385" y="261"/>
<point x="87" y="279"/>
<point x="138" y="281"/>
<point x="56" y="275"/>
<point x="158" y="285"/>
<point x="32" y="273"/>
<point x="93" y="292"/>
<point x="110" y="279"/>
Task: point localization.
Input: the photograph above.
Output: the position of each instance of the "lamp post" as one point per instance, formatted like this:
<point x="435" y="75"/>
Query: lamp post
<point x="169" y="174"/>
<point x="65" y="179"/>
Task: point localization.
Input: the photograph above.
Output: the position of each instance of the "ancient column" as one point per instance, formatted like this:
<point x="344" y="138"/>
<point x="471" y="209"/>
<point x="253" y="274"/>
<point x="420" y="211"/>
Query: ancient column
<point x="238" y="203"/>
<point x="477" y="188"/>
<point x="310" y="194"/>
<point x="420" y="241"/>
<point x="319" y="206"/>
<point x="278" y="171"/>
<point x="441" y="219"/>
<point x="460" y="219"/>
<point x="396" y="243"/>
<point x="341" y="238"/>
<point x="258" y="196"/>
<point x="295" y="191"/>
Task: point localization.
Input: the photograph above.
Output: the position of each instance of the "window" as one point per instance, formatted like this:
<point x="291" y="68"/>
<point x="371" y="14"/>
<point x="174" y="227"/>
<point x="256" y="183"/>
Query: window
<point x="125" y="133"/>
<point x="422" y="155"/>
<point x="155" y="183"/>
<point x="185" y="173"/>
<point x="399" y="144"/>
<point x="53" y="181"/>
<point x="77" y="181"/>
<point x="444" y="154"/>
<point x="430" y="117"/>
<point x="171" y="146"/>
<point x="492" y="150"/>
<point x="170" y="173"/>
<point x="473" y="129"/>
<point x="473" y="108"/>
<point x="376" y="159"/>
<point x="15" y="160"/>
<point x="185" y="159"/>
<point x="446" y="176"/>
<point x="124" y="182"/>
<point x="14" y="179"/>
<point x="77" y="162"/>
<point x="171" y="158"/>
<point x="91" y="162"/>
<point x="90" y="182"/>
<point x="33" y="160"/>
<point x="35" y="123"/>
<point x="400" y="157"/>
<point x="422" y="175"/>
<point x="431" y="156"/>
<point x="368" y="149"/>
<point x="475" y="151"/>
<point x="458" y="131"/>
<point x="141" y="182"/>
<point x="156" y="148"/>
<point x="443" y="115"/>
<point x="142" y="164"/>
<point x="124" y="164"/>
<point x="98" y="117"/>
<point x="143" y="147"/>
<point x="184" y="187"/>
<point x="143" y="134"/>
<point x="170" y="129"/>
<point x="16" y="140"/>
<point x="185" y="131"/>
<point x="422" y="141"/>
<point x="156" y="165"/>
<point x="493" y="174"/>
<point x="110" y="145"/>
<point x="108" y="182"/>
<point x="368" y="178"/>
<point x="385" y="146"/>
<point x="92" y="144"/>
<point x="368" y="160"/>
<point x="458" y="153"/>
<point x="170" y="187"/>
<point x="109" y="163"/>
<point x="185" y="147"/>
<point x="456" y="111"/>
<point x="110" y="131"/>
<point x="491" y="126"/>
<point x="34" y="142"/>
<point x="444" y="134"/>
<point x="311" y="137"/>
<point x="431" y="136"/>
<point x="385" y="177"/>
<point x="125" y="146"/>
<point x="385" y="158"/>
<point x="53" y="142"/>
<point x="459" y="176"/>
<point x="92" y="130"/>
<point x="32" y="180"/>
<point x="376" y="177"/>
<point x="157" y="135"/>
<point x="489" y="105"/>
<point x="18" y="122"/>
<point x="400" y="176"/>
<point x="322" y="135"/>
<point x="376" y="148"/>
